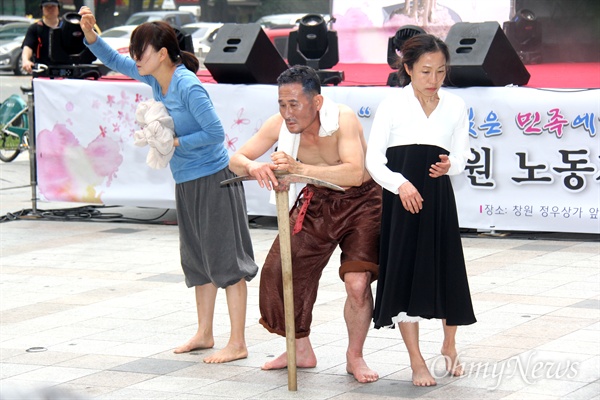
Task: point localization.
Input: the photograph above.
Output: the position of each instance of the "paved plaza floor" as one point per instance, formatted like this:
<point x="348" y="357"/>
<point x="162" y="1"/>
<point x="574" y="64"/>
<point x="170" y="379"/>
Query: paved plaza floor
<point x="92" y="308"/>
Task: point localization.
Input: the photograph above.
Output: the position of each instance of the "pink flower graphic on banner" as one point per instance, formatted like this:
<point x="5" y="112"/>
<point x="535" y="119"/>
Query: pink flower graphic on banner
<point x="124" y="99"/>
<point x="68" y="171"/>
<point x="230" y="142"/>
<point x="239" y="121"/>
<point x="118" y="114"/>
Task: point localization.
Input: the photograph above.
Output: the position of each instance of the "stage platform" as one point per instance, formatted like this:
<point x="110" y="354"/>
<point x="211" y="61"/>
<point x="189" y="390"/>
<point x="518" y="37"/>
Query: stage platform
<point x="558" y="76"/>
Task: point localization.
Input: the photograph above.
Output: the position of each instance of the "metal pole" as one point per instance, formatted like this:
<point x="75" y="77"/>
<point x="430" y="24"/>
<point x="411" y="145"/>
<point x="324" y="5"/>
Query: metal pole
<point x="90" y="4"/>
<point x="513" y="9"/>
<point x="32" y="160"/>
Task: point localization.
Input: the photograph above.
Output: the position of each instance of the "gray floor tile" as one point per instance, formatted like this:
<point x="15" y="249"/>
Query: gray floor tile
<point x="389" y="388"/>
<point x="589" y="303"/>
<point x="153" y="366"/>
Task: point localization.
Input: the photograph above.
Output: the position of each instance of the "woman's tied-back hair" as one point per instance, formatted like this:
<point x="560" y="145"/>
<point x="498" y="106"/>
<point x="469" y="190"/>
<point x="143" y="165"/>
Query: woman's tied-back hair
<point x="159" y="34"/>
<point x="414" y="48"/>
<point x="306" y="76"/>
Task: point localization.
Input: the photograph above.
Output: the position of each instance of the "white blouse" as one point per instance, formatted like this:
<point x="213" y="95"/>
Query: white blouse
<point x="400" y="120"/>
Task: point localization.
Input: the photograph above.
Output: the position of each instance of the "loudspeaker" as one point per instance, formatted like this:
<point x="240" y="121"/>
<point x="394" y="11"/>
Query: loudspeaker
<point x="481" y="55"/>
<point x="66" y="42"/>
<point x="185" y="40"/>
<point x="242" y="53"/>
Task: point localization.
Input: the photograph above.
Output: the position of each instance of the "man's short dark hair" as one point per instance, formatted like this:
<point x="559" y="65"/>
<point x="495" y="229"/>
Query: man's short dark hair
<point x="306" y="76"/>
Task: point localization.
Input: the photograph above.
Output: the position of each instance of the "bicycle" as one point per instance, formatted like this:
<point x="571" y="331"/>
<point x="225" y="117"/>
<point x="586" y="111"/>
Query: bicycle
<point x="14" y="117"/>
<point x="14" y="123"/>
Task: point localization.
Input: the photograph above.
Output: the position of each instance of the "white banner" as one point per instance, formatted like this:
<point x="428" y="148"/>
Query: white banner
<point x="535" y="164"/>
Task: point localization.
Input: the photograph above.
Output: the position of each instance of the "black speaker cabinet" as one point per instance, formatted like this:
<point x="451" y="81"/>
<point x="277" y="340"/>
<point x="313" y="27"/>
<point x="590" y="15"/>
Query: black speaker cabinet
<point x="481" y="55"/>
<point x="242" y="53"/>
<point x="66" y="43"/>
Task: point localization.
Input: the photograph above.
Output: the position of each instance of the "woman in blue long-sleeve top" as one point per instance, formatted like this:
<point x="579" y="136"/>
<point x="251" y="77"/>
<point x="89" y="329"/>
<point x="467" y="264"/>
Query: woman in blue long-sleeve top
<point x="215" y="244"/>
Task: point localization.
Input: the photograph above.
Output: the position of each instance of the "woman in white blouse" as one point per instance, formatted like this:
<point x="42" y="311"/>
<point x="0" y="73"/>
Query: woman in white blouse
<point x="419" y="136"/>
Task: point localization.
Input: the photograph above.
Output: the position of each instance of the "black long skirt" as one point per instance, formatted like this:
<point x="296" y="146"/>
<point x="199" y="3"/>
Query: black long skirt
<point x="422" y="268"/>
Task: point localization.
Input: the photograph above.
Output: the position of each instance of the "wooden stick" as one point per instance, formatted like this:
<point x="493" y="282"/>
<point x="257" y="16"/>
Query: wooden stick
<point x="283" y="223"/>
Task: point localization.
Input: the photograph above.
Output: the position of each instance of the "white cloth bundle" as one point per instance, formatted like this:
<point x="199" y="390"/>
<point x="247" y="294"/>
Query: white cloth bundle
<point x="288" y="142"/>
<point x="157" y="132"/>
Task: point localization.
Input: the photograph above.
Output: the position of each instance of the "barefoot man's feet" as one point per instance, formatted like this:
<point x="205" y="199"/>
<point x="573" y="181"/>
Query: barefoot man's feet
<point x="307" y="361"/>
<point x="196" y="343"/>
<point x="358" y="367"/>
<point x="421" y="376"/>
<point x="229" y="353"/>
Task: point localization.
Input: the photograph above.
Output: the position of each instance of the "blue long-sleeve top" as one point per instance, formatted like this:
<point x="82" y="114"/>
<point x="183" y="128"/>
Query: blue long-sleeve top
<point x="201" y="151"/>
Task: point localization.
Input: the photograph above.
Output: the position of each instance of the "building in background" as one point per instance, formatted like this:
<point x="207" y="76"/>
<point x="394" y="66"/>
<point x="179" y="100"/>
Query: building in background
<point x="13" y="7"/>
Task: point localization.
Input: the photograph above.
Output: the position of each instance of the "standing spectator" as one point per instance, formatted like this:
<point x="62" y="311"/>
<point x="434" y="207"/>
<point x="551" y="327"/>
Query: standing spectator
<point x="37" y="39"/>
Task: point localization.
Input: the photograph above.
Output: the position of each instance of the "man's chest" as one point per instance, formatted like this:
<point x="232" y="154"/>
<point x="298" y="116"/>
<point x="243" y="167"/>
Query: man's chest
<point x="319" y="151"/>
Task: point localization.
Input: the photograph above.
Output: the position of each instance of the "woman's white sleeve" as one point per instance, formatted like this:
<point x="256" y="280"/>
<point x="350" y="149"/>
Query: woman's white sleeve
<point x="460" y="149"/>
<point x="376" y="160"/>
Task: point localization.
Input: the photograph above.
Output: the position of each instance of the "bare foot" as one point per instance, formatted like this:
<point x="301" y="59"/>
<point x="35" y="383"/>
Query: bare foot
<point x="453" y="365"/>
<point x="197" y="342"/>
<point x="229" y="353"/>
<point x="358" y="367"/>
<point x="421" y="376"/>
<point x="302" y="361"/>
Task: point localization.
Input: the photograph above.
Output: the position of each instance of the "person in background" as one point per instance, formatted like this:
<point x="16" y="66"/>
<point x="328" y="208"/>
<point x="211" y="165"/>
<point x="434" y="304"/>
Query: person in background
<point x="419" y="136"/>
<point x="321" y="139"/>
<point x="215" y="243"/>
<point x="36" y="43"/>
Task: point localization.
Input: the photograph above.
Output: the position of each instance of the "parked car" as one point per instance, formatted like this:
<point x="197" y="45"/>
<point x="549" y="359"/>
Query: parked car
<point x="118" y="38"/>
<point x="203" y="35"/>
<point x="10" y="56"/>
<point x="7" y="19"/>
<point x="174" y="18"/>
<point x="9" y="32"/>
<point x="11" y="39"/>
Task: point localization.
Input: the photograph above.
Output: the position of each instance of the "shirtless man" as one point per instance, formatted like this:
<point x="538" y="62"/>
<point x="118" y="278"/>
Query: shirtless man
<point x="322" y="218"/>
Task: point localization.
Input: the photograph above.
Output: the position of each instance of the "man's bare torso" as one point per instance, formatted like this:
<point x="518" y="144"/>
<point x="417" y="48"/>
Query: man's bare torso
<point x="317" y="150"/>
